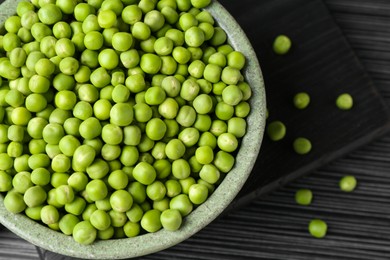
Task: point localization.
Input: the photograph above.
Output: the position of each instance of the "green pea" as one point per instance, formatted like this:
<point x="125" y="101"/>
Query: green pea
<point x="224" y="161"/>
<point x="171" y="219"/>
<point x="155" y="129"/>
<point x="203" y="104"/>
<point x="198" y="193"/>
<point x="34" y="213"/>
<point x="122" y="41"/>
<point x="84" y="233"/>
<point x="14" y="203"/>
<point x="49" y="215"/>
<point x="318" y="228"/>
<point x="83" y="156"/>
<point x="276" y="130"/>
<point x="209" y="173"/>
<point x="150" y="63"/>
<point x="118" y="219"/>
<point x="141" y="31"/>
<point x="303" y="197"/>
<point x="99" y="169"/>
<point x="96" y="190"/>
<point x="186" y="116"/>
<point x="151" y="221"/>
<point x="64" y="194"/>
<point x="78" y="181"/>
<point x="281" y="44"/>
<point x="131" y="14"/>
<point x="181" y="55"/>
<point x="61" y="163"/>
<point x="5" y="181"/>
<point x="6" y="162"/>
<point x="130" y="58"/>
<point x="237" y="126"/>
<point x="40" y="176"/>
<point x="100" y="220"/>
<point x="154" y="95"/>
<point x="227" y="142"/>
<point x="301" y="100"/>
<point x="302" y="145"/>
<point x="121" y="114"/>
<point x="67" y="224"/>
<point x="344" y="101"/>
<point x="181" y="203"/>
<point x="144" y="173"/>
<point x="175" y="149"/>
<point x="348" y="183"/>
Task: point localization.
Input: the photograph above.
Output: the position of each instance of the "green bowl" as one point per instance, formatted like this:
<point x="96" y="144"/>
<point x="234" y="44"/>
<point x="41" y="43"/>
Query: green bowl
<point x="57" y="242"/>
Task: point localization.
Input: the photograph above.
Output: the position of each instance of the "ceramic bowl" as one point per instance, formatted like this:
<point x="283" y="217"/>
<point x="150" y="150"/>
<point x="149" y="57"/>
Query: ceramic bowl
<point x="46" y="238"/>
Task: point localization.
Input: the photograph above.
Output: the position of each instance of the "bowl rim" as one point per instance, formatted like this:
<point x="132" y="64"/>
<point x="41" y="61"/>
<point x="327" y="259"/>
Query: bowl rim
<point x="204" y="214"/>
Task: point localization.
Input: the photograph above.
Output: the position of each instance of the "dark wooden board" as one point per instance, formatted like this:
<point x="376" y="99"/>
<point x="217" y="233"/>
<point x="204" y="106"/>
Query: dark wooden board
<point x="322" y="63"/>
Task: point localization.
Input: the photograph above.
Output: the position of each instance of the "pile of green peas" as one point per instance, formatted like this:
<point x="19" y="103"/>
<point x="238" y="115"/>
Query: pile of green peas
<point x="117" y="117"/>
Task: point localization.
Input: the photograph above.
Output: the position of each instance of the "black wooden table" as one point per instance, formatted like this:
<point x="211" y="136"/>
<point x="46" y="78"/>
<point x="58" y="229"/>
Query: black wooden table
<point x="273" y="226"/>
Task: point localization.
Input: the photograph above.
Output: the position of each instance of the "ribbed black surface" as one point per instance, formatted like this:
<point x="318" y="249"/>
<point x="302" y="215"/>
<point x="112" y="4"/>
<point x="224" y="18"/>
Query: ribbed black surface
<point x="275" y="227"/>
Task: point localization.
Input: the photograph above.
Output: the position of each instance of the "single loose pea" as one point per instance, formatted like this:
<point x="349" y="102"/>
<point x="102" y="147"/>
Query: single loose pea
<point x="276" y="130"/>
<point x="281" y="44"/>
<point x="301" y="100"/>
<point x="348" y="183"/>
<point x="344" y="101"/>
<point x="303" y="197"/>
<point x="318" y="228"/>
<point x="302" y="145"/>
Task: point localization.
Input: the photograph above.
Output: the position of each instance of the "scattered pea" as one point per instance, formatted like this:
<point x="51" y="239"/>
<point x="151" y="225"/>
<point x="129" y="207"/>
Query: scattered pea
<point x="303" y="196"/>
<point x="318" y="228"/>
<point x="301" y="100"/>
<point x="281" y="45"/>
<point x="344" y="101"/>
<point x="348" y="183"/>
<point x="302" y="145"/>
